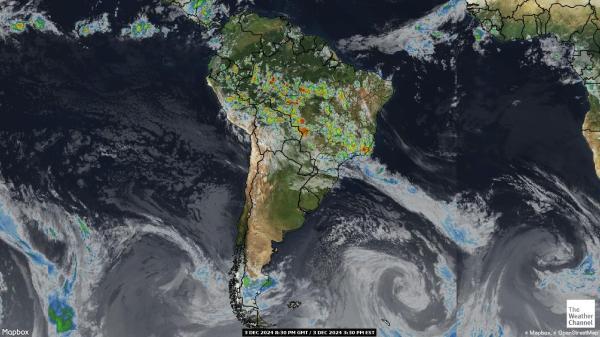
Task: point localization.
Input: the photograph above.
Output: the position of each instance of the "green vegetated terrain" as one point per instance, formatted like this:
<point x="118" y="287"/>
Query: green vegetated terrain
<point x="306" y="112"/>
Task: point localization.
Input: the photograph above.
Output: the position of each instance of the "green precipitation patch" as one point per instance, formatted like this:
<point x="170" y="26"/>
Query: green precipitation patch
<point x="249" y="282"/>
<point x="318" y="111"/>
<point x="83" y="227"/>
<point x="61" y="316"/>
<point x="38" y="23"/>
<point x="271" y="46"/>
<point x="18" y="26"/>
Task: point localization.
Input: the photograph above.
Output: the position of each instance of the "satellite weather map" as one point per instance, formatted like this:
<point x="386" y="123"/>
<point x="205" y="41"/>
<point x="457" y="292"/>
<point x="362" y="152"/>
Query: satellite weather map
<point x="393" y="168"/>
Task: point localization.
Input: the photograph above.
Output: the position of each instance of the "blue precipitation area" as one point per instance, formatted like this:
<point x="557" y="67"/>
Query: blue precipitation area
<point x="429" y="27"/>
<point x="581" y="278"/>
<point x="498" y="333"/>
<point x="9" y="229"/>
<point x="389" y="332"/>
<point x="448" y="6"/>
<point x="446" y="273"/>
<point x="252" y="289"/>
<point x="205" y="275"/>
<point x="459" y="235"/>
<point x="68" y="286"/>
<point x="388" y="180"/>
<point x="587" y="266"/>
<point x="60" y="312"/>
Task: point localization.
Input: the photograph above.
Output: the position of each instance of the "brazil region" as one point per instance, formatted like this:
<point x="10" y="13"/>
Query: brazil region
<point x="305" y="112"/>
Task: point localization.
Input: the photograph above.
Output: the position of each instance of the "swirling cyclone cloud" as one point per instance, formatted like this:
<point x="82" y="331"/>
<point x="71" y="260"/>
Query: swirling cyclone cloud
<point x="121" y="180"/>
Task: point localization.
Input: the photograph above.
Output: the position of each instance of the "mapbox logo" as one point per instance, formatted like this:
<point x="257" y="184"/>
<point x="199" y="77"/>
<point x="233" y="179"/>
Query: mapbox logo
<point x="581" y="313"/>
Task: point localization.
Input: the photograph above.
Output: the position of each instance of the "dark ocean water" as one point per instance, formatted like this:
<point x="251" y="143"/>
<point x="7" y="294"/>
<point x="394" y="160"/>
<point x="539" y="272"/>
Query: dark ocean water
<point x="103" y="119"/>
<point x="514" y="117"/>
<point x="114" y="129"/>
<point x="337" y="19"/>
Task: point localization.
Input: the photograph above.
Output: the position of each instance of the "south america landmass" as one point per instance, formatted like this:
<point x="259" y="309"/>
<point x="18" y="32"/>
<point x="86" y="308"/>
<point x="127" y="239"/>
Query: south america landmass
<point x="575" y="22"/>
<point x="306" y="113"/>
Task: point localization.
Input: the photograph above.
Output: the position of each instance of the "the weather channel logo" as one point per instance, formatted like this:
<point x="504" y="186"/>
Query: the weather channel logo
<point x="581" y="314"/>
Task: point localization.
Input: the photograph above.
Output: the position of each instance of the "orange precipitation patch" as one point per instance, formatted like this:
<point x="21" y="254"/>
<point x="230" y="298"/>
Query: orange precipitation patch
<point x="278" y="193"/>
<point x="303" y="130"/>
